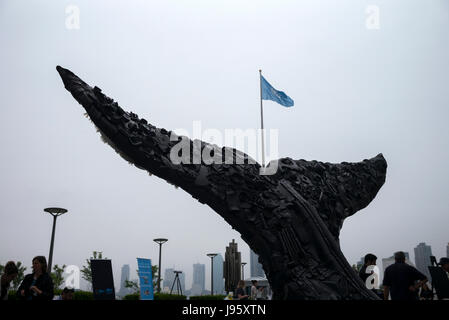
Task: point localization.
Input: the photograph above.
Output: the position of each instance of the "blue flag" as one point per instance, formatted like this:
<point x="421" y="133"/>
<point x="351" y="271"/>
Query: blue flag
<point x="270" y="93"/>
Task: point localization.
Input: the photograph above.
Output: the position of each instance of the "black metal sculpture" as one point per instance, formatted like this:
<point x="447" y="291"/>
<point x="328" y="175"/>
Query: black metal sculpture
<point x="291" y="219"/>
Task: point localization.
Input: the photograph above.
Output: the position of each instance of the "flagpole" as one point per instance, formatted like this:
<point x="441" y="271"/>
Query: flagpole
<point x="261" y="120"/>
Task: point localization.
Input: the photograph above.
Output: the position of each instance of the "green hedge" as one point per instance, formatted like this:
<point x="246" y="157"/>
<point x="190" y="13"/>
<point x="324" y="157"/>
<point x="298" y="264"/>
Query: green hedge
<point x="12" y="295"/>
<point x="78" y="295"/>
<point x="133" y="296"/>
<point x="157" y="296"/>
<point x="208" y="297"/>
<point x="167" y="296"/>
<point x="87" y="295"/>
<point x="83" y="295"/>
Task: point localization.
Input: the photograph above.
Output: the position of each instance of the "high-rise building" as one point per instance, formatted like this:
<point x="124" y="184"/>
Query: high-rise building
<point x="182" y="279"/>
<point x="232" y="267"/>
<point x="169" y="277"/>
<point x="218" y="274"/>
<point x="124" y="276"/>
<point x="422" y="258"/>
<point x="199" y="279"/>
<point x="447" y="250"/>
<point x="256" y="267"/>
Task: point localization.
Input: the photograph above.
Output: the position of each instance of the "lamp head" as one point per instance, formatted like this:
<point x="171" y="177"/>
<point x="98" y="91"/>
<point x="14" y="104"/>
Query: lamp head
<point x="55" y="211"/>
<point x="160" y="240"/>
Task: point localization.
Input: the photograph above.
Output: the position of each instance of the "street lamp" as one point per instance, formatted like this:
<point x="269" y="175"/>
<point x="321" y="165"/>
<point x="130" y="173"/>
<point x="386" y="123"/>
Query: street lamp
<point x="243" y="270"/>
<point x="55" y="212"/>
<point x="159" y="241"/>
<point x="212" y="255"/>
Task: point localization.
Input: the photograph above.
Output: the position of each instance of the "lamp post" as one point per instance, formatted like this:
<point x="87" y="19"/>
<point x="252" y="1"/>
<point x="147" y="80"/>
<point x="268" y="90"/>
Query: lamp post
<point x="55" y="212"/>
<point x="212" y="255"/>
<point x="159" y="241"/>
<point x="243" y="270"/>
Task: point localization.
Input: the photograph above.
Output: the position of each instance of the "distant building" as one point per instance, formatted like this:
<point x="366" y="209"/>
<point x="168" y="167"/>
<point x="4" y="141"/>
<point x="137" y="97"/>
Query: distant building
<point x="232" y="269"/>
<point x="447" y="250"/>
<point x="124" y="276"/>
<point x="169" y="277"/>
<point x="182" y="279"/>
<point x="196" y="290"/>
<point x="422" y="258"/>
<point x="218" y="275"/>
<point x="199" y="279"/>
<point x="256" y="267"/>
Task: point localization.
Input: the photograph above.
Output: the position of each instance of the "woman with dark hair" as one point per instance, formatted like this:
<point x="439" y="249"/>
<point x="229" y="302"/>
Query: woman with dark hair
<point x="240" y="291"/>
<point x="37" y="285"/>
<point x="10" y="273"/>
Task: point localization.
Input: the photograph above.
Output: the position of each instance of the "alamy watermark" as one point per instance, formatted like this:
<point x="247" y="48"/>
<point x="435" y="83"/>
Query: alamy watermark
<point x="237" y="141"/>
<point x="372" y="281"/>
<point x="72" y="20"/>
<point x="72" y="279"/>
<point x="372" y="21"/>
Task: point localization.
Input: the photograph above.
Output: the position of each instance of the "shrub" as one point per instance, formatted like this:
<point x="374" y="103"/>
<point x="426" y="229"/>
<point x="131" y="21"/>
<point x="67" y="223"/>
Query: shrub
<point x="12" y="295"/>
<point x="157" y="296"/>
<point x="132" y="296"/>
<point x="208" y="297"/>
<point x="167" y="296"/>
<point x="83" y="295"/>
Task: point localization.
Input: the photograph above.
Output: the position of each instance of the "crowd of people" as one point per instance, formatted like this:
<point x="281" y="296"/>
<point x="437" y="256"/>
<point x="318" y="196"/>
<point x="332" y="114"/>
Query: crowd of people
<point x="37" y="285"/>
<point x="257" y="293"/>
<point x="401" y="281"/>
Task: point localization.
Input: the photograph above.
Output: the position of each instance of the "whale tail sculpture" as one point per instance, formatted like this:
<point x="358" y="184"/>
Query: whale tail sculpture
<point x="291" y="219"/>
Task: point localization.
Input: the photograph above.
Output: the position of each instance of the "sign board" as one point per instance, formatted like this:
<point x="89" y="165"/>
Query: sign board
<point x="145" y="278"/>
<point x="102" y="279"/>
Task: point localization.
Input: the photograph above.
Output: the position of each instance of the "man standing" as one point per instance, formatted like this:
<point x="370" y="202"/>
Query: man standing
<point x="444" y="263"/>
<point x="400" y="278"/>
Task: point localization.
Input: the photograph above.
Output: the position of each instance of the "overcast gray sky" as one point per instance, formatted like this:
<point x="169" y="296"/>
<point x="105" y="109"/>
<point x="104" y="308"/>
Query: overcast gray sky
<point x="357" y="92"/>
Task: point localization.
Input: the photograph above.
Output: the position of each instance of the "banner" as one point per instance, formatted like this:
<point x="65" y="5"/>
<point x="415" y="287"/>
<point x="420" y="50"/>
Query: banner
<point x="102" y="279"/>
<point x="145" y="278"/>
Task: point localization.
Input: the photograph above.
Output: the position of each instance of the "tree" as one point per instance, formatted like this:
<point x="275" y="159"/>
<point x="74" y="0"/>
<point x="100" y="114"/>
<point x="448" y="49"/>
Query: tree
<point x="134" y="285"/>
<point x="154" y="271"/>
<point x="356" y="267"/>
<point x="87" y="270"/>
<point x="57" y="276"/>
